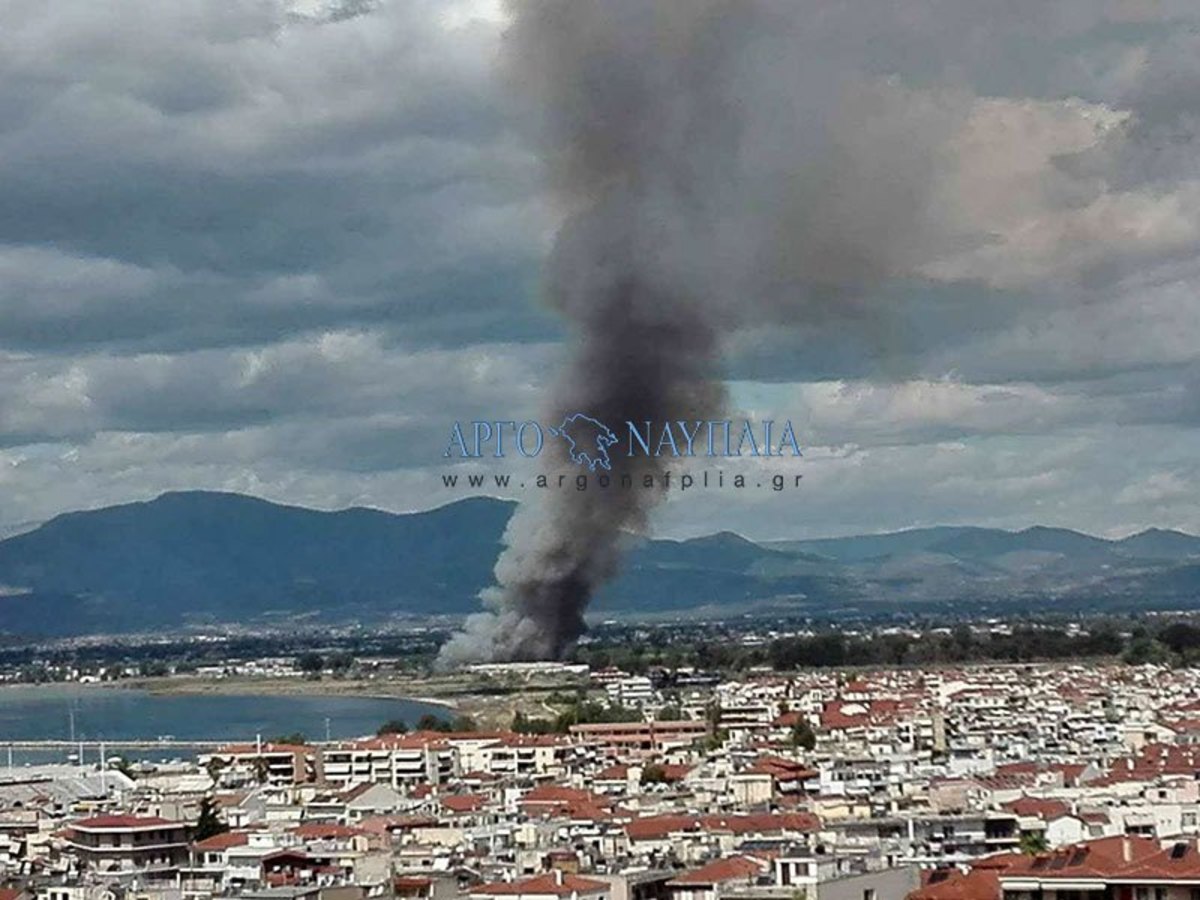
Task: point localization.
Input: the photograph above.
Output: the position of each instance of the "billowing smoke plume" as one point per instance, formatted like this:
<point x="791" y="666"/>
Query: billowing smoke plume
<point x="723" y="166"/>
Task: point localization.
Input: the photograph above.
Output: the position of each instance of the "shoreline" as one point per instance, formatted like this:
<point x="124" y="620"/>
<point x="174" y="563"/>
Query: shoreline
<point x="488" y="706"/>
<point x="272" y="687"/>
<point x="244" y="687"/>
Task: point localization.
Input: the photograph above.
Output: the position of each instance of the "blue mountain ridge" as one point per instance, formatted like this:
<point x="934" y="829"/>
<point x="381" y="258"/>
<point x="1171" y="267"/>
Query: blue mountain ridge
<point x="199" y="557"/>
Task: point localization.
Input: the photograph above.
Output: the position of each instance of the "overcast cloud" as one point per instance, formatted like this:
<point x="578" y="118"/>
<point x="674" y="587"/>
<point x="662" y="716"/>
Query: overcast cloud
<point x="279" y="247"/>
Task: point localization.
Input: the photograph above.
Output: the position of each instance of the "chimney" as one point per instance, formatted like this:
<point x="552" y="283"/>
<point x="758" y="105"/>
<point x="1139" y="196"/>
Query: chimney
<point x="558" y="877"/>
<point x="1126" y="849"/>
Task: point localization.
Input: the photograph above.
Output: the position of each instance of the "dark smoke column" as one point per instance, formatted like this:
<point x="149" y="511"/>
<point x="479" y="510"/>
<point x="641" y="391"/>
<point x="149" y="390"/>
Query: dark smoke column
<point x="741" y="174"/>
<point x="621" y="89"/>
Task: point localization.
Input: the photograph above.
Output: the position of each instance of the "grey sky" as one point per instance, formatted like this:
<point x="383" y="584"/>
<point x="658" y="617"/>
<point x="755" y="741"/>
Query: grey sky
<point x="280" y="247"/>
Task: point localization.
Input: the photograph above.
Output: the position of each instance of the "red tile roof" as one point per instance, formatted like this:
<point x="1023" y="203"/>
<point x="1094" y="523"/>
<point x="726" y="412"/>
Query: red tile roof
<point x="1101" y="858"/>
<point x="124" y="822"/>
<point x="556" y="800"/>
<point x="1040" y="807"/>
<point x="462" y="803"/>
<point x="1154" y="760"/>
<point x="735" y="868"/>
<point x="981" y="883"/>
<point x="951" y="884"/>
<point x="410" y="882"/>
<point x="223" y="841"/>
<point x="877" y="712"/>
<point x="553" y="793"/>
<point x="1175" y="861"/>
<point x="1071" y="772"/>
<point x="560" y="884"/>
<point x="782" y="769"/>
<point x="384" y="824"/>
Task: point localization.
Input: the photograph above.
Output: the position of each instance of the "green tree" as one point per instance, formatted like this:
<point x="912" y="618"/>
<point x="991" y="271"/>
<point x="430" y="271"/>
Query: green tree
<point x="803" y="735"/>
<point x="653" y="773"/>
<point x="34" y="674"/>
<point x="311" y="664"/>
<point x="296" y="737"/>
<point x="962" y="641"/>
<point x="1180" y="636"/>
<point x="208" y="823"/>
<point x="713" y="714"/>
<point x="714" y="741"/>
<point x="523" y="724"/>
<point x="214" y="767"/>
<point x="392" y="726"/>
<point x="1033" y="842"/>
<point x="430" y="722"/>
<point x="1143" y="650"/>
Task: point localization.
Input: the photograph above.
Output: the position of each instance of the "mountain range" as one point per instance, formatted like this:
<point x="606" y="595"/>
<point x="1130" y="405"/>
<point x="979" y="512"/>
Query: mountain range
<point x="189" y="558"/>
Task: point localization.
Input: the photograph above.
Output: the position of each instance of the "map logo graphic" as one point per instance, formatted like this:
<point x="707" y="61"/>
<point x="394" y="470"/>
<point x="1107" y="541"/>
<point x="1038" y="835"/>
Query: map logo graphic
<point x="587" y="440"/>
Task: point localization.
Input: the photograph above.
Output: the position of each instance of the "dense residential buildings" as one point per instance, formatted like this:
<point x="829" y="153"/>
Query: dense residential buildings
<point x="988" y="782"/>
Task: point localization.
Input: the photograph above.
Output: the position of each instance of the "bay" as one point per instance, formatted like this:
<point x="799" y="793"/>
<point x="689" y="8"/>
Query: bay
<point x="50" y="712"/>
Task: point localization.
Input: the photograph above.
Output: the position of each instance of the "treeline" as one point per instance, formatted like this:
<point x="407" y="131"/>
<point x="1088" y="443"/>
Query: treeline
<point x="184" y="653"/>
<point x="1176" y="642"/>
<point x="960" y="645"/>
<point x="720" y="651"/>
<point x="1134" y="642"/>
<point x="428" y="722"/>
<point x="579" y="711"/>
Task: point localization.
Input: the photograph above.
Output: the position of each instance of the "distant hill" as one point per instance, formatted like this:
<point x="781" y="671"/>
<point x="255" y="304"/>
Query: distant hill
<point x="198" y="557"/>
<point x="1158" y="543"/>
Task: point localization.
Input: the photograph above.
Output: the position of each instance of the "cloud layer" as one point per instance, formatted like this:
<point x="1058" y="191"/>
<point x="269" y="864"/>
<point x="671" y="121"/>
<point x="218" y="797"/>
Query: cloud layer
<point x="279" y="247"/>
